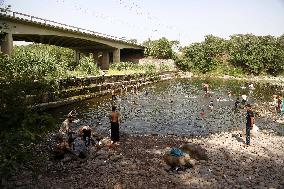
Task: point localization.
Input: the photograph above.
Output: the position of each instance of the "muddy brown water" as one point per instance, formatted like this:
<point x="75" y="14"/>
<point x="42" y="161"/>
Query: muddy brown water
<point x="173" y="107"/>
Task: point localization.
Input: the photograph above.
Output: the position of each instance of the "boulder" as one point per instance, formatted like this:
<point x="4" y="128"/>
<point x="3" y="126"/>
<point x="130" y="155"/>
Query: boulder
<point x="195" y="151"/>
<point x="61" y="149"/>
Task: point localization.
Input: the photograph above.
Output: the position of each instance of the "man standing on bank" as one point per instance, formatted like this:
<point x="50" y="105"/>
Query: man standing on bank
<point x="249" y="123"/>
<point x="114" y="124"/>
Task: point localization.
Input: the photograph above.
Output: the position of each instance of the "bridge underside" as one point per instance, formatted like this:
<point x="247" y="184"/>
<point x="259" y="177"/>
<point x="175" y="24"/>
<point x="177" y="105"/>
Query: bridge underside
<point x="62" y="41"/>
<point x="104" y="49"/>
<point x="103" y="54"/>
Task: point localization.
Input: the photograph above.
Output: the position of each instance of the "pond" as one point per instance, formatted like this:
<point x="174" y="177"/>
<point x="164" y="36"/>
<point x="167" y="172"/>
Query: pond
<point x="174" y="107"/>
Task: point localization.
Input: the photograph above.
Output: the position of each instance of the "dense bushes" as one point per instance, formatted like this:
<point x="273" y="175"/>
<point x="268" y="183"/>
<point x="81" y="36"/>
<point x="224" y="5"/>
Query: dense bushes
<point x="125" y="66"/>
<point x="256" y="54"/>
<point x="87" y="66"/>
<point x="250" y="53"/>
<point x="49" y="62"/>
<point x="31" y="70"/>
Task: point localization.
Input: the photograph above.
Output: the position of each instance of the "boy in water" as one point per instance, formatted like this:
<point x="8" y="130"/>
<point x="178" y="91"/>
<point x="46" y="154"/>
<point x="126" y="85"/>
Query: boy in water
<point x="113" y="97"/>
<point x="206" y="88"/>
<point x="244" y="99"/>
<point x="211" y="105"/>
<point x="114" y="124"/>
<point x="237" y="103"/>
<point x="202" y="114"/>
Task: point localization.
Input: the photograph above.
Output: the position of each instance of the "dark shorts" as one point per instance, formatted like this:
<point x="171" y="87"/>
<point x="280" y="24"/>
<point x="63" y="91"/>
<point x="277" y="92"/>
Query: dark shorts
<point x="114" y="134"/>
<point x="248" y="128"/>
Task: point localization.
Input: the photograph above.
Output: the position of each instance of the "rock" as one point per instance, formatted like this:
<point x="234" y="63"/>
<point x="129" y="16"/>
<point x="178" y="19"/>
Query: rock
<point x="195" y="151"/>
<point x="66" y="159"/>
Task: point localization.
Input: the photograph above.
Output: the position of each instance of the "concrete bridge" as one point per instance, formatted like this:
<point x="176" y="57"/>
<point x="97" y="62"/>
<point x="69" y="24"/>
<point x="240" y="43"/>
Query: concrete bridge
<point x="105" y="48"/>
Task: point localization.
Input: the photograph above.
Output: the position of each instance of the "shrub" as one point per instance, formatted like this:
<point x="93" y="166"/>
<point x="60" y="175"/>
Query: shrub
<point x="150" y="69"/>
<point x="88" y="66"/>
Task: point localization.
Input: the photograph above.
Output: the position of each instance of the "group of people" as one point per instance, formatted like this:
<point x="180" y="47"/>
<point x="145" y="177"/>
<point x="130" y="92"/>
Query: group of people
<point x="250" y="121"/>
<point x="74" y="142"/>
<point x="77" y="143"/>
<point x="278" y="103"/>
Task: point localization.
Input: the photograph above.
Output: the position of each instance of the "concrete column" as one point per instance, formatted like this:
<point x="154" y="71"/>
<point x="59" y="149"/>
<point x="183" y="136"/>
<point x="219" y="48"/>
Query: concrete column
<point x="7" y="44"/>
<point x="77" y="56"/>
<point x="105" y="61"/>
<point x="116" y="56"/>
<point x="96" y="57"/>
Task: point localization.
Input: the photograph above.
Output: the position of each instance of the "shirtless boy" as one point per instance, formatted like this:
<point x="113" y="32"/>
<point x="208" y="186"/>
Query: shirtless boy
<point x="114" y="124"/>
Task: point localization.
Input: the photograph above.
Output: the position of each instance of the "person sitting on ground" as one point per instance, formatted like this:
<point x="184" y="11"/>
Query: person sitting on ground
<point x="115" y="118"/>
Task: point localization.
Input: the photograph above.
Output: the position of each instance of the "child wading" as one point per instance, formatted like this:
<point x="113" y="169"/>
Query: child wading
<point x="249" y="123"/>
<point x="114" y="124"/>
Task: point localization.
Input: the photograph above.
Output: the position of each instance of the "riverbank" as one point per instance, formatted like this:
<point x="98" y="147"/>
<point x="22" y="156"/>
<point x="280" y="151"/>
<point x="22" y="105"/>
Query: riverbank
<point x="279" y="80"/>
<point x="137" y="163"/>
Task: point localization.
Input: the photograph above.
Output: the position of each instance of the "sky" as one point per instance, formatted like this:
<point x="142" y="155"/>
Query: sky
<point x="185" y="20"/>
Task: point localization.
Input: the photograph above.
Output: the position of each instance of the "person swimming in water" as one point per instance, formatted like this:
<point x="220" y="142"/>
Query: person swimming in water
<point x="211" y="105"/>
<point x="202" y="114"/>
<point x="206" y="88"/>
<point x="244" y="99"/>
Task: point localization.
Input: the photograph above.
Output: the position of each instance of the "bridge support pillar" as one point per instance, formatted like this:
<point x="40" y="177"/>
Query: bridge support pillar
<point x="7" y="44"/>
<point x="105" y="61"/>
<point x="77" y="56"/>
<point x="96" y="57"/>
<point x="116" y="56"/>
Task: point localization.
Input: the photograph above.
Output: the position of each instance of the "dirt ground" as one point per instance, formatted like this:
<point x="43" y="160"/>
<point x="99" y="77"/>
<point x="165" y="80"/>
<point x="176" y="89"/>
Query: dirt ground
<point x="137" y="163"/>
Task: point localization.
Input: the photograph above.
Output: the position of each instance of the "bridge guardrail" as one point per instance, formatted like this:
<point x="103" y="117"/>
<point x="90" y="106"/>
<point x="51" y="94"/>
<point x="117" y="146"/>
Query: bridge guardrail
<point x="65" y="26"/>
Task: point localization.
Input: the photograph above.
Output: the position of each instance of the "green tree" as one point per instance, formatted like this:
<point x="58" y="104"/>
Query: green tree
<point x="257" y="54"/>
<point x="204" y="56"/>
<point x="162" y="48"/>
